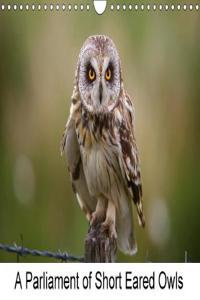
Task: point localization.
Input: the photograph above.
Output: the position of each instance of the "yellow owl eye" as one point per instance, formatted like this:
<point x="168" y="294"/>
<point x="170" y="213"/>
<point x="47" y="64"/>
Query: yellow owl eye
<point x="91" y="74"/>
<point x="108" y="74"/>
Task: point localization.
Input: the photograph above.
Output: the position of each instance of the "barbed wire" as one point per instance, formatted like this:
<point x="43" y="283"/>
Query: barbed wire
<point x="63" y="256"/>
<point x="23" y="251"/>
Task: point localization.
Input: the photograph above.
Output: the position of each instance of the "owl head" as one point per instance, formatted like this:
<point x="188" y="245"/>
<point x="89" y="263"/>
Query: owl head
<point x="98" y="75"/>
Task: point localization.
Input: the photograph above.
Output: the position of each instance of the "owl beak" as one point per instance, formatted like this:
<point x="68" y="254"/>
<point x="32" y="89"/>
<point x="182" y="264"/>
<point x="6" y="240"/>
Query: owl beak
<point x="100" y="92"/>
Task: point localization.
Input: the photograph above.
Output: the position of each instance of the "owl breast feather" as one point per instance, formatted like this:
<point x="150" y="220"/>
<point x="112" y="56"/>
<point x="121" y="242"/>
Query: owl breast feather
<point x="101" y="168"/>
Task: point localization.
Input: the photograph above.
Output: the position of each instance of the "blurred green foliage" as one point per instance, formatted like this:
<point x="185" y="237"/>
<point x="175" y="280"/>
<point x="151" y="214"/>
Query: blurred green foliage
<point x="161" y="67"/>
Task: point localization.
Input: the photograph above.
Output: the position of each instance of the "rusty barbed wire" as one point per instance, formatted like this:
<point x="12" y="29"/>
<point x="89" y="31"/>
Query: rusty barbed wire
<point x="23" y="251"/>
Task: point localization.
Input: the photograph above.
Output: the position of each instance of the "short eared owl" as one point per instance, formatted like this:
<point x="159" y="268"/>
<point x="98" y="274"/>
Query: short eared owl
<point x="100" y="145"/>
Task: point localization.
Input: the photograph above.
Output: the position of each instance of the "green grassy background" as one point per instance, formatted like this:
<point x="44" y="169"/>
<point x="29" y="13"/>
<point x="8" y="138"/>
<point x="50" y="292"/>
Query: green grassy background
<point x="161" y="66"/>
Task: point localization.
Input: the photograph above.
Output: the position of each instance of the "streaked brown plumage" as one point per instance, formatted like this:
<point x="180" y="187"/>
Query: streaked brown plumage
<point x="100" y="145"/>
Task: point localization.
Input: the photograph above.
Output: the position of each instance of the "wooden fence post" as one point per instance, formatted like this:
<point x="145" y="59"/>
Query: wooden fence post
<point x="99" y="247"/>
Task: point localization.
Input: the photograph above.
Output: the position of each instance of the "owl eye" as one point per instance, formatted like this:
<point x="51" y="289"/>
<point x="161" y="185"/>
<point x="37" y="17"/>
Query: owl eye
<point x="108" y="74"/>
<point x="91" y="74"/>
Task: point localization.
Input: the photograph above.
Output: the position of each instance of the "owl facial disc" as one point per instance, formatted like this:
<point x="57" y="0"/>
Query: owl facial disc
<point x="99" y="75"/>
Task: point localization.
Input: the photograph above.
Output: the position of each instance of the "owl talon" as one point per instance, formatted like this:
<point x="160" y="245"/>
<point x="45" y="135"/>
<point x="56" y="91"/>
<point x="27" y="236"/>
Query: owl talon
<point x="96" y="218"/>
<point x="110" y="228"/>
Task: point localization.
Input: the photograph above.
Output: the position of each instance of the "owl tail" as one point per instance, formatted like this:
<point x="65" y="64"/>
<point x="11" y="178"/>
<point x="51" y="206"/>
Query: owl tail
<point x="125" y="233"/>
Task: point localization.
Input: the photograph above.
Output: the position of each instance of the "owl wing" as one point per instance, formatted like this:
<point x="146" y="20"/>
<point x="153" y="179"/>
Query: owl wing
<point x="128" y="157"/>
<point x="70" y="146"/>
